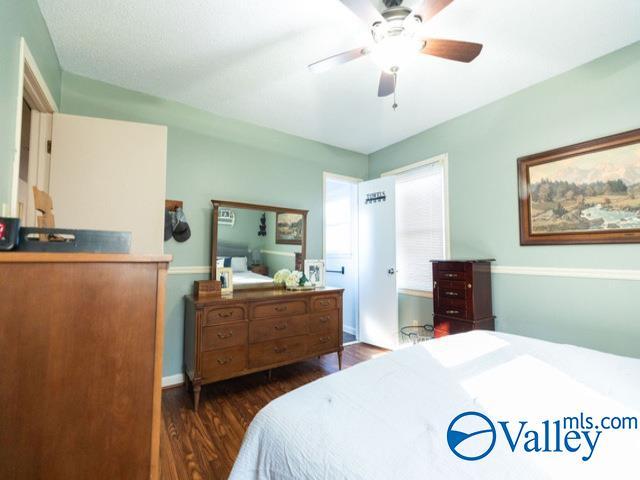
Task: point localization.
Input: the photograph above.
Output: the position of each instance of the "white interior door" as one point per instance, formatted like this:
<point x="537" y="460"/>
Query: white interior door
<point x="378" y="295"/>
<point x="341" y="246"/>
<point x="110" y="175"/>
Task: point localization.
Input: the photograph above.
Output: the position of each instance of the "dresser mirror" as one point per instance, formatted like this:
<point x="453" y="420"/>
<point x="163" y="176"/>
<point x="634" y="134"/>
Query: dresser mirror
<point x="256" y="241"/>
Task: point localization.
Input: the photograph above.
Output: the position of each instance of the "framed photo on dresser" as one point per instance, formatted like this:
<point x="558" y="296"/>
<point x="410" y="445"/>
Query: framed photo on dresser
<point x="580" y="194"/>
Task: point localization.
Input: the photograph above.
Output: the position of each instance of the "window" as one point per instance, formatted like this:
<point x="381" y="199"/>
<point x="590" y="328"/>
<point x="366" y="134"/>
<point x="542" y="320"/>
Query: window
<point x="420" y="224"/>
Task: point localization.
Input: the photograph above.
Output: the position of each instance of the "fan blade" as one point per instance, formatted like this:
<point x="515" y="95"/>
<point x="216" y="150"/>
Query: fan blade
<point x="364" y="10"/>
<point x="430" y="8"/>
<point x="338" y="59"/>
<point x="452" y="49"/>
<point x="387" y="84"/>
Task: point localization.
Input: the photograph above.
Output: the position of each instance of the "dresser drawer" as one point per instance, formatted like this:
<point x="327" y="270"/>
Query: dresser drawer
<point x="325" y="302"/>
<point x="276" y="351"/>
<point x="278" y="309"/>
<point x="451" y="311"/>
<point x="323" y="341"/>
<point x="218" y="315"/>
<point x="218" y="364"/>
<point x="279" y="327"/>
<point x="324" y="322"/>
<point x="223" y="336"/>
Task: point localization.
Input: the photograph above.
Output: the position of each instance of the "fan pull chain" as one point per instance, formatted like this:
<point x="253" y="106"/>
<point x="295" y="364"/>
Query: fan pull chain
<point x="395" y="85"/>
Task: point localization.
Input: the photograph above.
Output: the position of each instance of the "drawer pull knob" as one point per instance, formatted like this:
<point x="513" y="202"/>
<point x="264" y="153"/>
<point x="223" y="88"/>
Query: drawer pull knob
<point x="324" y="339"/>
<point x="468" y="285"/>
<point x="452" y="312"/>
<point x="225" y="314"/>
<point x="222" y="335"/>
<point x="324" y="319"/>
<point x="281" y="308"/>
<point x="224" y="361"/>
<point x="280" y="327"/>
<point x="451" y="275"/>
<point x="280" y="349"/>
<point x="324" y="303"/>
<point x="451" y="294"/>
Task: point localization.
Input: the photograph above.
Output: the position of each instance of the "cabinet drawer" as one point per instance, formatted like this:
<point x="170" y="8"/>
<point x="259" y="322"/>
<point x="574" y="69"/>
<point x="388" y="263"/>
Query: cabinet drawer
<point x="218" y="364"/>
<point x="452" y="303"/>
<point x="324" y="322"/>
<point x="218" y="315"/>
<point x="451" y="293"/>
<point x="279" y="327"/>
<point x="223" y="336"/>
<point x="451" y="266"/>
<point x="451" y="311"/>
<point x="276" y="351"/>
<point x="277" y="309"/>
<point x="446" y="275"/>
<point x="319" y="304"/>
<point x="444" y="327"/>
<point x="323" y="341"/>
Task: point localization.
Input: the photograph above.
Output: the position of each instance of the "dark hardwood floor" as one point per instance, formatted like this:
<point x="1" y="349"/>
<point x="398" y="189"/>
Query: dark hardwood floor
<point x="204" y="445"/>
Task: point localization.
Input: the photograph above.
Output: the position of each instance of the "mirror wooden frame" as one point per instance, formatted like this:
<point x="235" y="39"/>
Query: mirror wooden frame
<point x="217" y="204"/>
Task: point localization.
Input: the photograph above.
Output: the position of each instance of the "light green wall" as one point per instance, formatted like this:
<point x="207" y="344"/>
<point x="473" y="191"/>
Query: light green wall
<point x="212" y="157"/>
<point x="594" y="100"/>
<point x="20" y="18"/>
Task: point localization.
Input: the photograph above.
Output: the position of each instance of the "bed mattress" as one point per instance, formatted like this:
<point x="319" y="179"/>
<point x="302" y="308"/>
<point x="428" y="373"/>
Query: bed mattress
<point x="394" y="417"/>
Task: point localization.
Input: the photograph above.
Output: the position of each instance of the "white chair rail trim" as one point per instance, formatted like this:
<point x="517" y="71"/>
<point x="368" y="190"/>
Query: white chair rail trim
<point x="597" y="273"/>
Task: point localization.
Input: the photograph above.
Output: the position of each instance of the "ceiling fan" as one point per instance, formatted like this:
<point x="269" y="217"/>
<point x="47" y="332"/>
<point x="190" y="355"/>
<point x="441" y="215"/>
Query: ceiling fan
<point x="397" y="39"/>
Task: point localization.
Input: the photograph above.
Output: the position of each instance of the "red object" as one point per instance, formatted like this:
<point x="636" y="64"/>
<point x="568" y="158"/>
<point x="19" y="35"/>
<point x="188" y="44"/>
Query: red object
<point x="2" y="228"/>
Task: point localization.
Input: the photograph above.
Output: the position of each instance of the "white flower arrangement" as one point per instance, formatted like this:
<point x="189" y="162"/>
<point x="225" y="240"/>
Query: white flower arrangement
<point x="281" y="276"/>
<point x="293" y="280"/>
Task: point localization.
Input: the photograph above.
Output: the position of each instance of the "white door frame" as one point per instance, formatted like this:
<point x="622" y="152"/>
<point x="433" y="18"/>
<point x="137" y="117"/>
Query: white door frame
<point x="32" y="88"/>
<point x="335" y="176"/>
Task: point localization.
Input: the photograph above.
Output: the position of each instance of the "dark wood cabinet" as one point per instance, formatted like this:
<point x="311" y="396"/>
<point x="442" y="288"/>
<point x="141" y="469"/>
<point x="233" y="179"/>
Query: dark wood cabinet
<point x="462" y="296"/>
<point x="252" y="330"/>
<point x="81" y="340"/>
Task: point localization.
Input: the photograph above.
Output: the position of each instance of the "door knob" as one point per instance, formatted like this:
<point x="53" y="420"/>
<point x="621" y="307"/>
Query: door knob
<point x="391" y="271"/>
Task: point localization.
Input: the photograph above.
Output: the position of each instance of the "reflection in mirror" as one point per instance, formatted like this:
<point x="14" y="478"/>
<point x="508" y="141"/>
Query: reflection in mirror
<point x="255" y="245"/>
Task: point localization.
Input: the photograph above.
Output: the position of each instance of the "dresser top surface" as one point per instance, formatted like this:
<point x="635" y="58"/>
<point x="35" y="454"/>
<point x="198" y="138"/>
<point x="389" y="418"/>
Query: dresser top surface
<point x="260" y="294"/>
<point x="50" y="257"/>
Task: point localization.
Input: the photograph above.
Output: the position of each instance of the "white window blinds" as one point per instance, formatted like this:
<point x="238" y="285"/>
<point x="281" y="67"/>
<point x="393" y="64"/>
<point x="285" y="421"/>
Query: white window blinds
<point x="419" y="224"/>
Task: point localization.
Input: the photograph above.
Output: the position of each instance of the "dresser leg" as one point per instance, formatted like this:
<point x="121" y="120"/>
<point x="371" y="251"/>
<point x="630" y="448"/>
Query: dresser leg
<point x="340" y="360"/>
<point x="196" y="396"/>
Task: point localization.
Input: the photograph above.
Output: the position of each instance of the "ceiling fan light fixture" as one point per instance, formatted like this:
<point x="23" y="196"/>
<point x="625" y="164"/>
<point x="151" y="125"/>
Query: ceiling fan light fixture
<point x="394" y="51"/>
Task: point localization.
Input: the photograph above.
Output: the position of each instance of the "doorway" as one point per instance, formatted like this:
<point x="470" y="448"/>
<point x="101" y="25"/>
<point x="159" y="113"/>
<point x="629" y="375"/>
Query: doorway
<point x="341" y="245"/>
<point x="32" y="162"/>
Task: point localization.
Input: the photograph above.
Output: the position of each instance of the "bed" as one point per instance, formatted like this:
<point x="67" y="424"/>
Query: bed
<point x="247" y="277"/>
<point x="388" y="418"/>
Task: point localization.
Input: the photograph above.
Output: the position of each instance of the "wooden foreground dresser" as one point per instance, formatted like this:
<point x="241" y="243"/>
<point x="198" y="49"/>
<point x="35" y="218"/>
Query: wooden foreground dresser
<point x="81" y="353"/>
<point x="461" y="296"/>
<point x="253" y="330"/>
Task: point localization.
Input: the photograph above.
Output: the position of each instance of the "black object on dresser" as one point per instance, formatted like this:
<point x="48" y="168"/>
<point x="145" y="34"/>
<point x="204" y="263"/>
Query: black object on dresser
<point x="462" y="296"/>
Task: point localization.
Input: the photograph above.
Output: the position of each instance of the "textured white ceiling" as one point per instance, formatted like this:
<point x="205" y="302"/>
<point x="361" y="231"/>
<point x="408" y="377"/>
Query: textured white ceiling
<point x="246" y="59"/>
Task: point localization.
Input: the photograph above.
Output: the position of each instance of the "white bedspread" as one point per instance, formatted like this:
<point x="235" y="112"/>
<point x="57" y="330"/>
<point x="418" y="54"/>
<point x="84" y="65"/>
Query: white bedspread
<point x="388" y="418"/>
<point x="249" y="277"/>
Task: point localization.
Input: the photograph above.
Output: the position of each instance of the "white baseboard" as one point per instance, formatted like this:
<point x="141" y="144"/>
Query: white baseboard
<point x="172" y="380"/>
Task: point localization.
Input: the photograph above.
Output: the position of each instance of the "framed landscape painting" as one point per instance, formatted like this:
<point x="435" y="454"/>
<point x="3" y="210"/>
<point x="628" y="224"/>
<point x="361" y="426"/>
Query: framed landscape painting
<point x="584" y="193"/>
<point x="289" y="228"/>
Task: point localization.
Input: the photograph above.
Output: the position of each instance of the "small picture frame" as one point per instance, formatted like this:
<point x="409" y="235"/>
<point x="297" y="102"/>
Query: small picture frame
<point x="314" y="271"/>
<point x="226" y="217"/>
<point x="225" y="277"/>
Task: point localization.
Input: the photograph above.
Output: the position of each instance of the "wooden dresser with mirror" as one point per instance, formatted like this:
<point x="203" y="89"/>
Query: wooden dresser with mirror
<point x="258" y="326"/>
